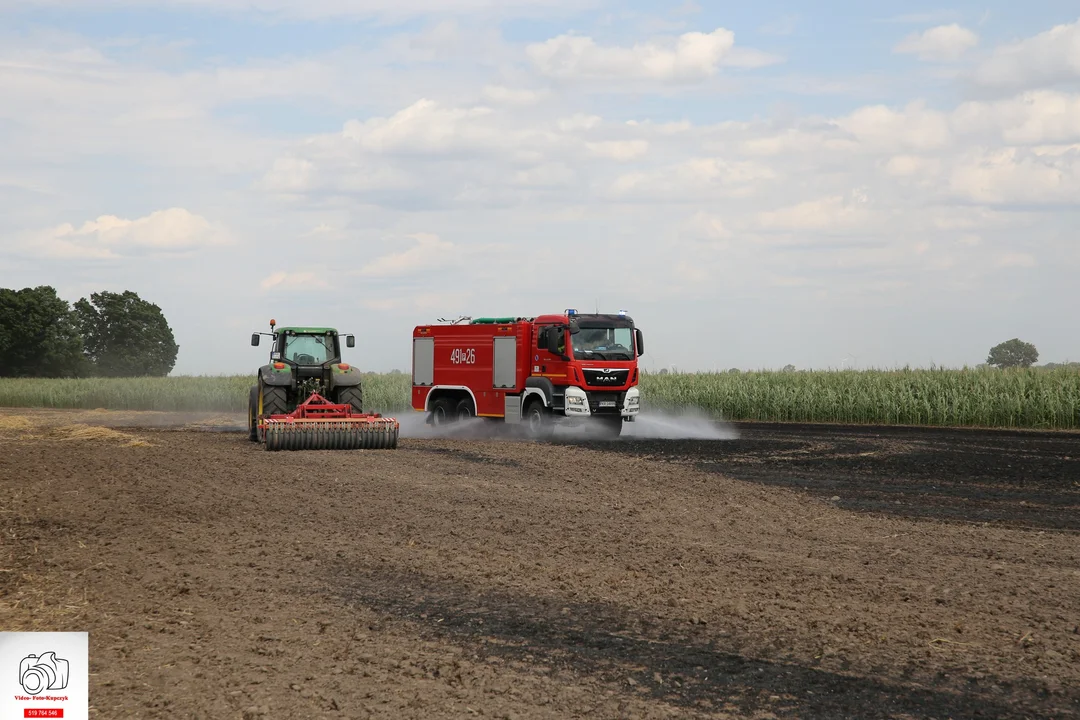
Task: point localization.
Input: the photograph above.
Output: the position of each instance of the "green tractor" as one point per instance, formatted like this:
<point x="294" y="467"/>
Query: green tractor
<point x="305" y="366"/>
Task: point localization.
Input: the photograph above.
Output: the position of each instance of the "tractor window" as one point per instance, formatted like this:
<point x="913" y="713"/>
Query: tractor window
<point x="309" y="349"/>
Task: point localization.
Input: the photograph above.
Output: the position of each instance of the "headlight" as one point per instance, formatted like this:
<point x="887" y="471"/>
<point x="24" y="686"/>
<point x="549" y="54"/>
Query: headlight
<point x="633" y="400"/>
<point x="574" y="400"/>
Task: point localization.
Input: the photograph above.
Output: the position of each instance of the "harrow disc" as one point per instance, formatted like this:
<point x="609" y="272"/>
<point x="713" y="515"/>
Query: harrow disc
<point x="380" y="434"/>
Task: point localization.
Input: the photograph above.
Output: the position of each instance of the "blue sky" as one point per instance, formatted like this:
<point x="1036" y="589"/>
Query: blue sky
<point x="758" y="183"/>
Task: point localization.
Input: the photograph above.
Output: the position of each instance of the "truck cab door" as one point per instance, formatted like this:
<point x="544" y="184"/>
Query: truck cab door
<point x="551" y="351"/>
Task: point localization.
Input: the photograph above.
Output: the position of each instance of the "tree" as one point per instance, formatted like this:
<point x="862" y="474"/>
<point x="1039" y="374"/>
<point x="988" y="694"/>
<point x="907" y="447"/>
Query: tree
<point x="125" y="336"/>
<point x="1013" y="353"/>
<point x="38" y="335"/>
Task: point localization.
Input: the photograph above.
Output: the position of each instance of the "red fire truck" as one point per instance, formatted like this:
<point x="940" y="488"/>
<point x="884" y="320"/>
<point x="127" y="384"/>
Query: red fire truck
<point x="568" y="368"/>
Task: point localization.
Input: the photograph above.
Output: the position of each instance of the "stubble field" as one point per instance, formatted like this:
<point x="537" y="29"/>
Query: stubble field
<point x="793" y="571"/>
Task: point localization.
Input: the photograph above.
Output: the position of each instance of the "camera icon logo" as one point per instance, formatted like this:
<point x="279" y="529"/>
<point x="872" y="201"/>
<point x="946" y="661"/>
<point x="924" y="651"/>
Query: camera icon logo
<point x="39" y="673"/>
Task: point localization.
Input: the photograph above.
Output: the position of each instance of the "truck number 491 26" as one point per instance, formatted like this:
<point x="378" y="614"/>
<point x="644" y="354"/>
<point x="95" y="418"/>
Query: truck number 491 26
<point x="463" y="357"/>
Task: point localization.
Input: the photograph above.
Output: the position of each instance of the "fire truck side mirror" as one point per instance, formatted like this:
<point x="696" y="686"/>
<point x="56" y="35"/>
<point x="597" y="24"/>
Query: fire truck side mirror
<point x="553" y="337"/>
<point x="542" y="338"/>
<point x="640" y="342"/>
<point x="254" y="339"/>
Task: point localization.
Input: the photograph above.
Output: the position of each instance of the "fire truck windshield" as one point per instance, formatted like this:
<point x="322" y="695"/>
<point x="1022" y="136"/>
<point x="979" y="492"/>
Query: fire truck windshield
<point x="308" y="349"/>
<point x="603" y="343"/>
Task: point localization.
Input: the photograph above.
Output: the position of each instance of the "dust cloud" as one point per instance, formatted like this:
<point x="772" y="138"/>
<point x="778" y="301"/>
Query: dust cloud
<point x="683" y="424"/>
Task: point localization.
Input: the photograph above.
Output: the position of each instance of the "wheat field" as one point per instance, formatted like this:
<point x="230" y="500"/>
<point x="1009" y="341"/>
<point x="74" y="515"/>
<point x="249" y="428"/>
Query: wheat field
<point x="1021" y="398"/>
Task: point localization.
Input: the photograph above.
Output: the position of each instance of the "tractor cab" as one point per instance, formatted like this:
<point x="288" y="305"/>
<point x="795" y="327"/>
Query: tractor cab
<point x="310" y="351"/>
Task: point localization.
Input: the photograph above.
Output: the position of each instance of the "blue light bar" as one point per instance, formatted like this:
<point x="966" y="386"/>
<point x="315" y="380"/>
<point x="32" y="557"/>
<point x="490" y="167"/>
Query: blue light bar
<point x="571" y="311"/>
<point x="622" y="313"/>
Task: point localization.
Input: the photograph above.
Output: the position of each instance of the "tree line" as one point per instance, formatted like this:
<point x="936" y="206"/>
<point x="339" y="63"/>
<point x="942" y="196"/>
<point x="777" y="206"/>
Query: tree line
<point x="108" y="335"/>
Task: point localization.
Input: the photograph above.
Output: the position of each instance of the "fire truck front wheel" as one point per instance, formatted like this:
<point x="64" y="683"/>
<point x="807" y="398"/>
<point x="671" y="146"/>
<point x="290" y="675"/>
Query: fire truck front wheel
<point x="610" y="425"/>
<point x="537" y="421"/>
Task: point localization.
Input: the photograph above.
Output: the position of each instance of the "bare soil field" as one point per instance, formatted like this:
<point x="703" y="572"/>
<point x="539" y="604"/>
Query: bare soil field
<point x="811" y="572"/>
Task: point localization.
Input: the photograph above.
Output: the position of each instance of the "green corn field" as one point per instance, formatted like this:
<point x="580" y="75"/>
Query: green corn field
<point x="1021" y="398"/>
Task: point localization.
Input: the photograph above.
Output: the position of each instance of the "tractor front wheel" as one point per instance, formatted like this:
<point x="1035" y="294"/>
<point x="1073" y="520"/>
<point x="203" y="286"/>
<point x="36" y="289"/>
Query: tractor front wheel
<point x="353" y="397"/>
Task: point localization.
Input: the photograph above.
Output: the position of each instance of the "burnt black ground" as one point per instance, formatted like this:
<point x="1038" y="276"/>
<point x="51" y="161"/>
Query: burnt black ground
<point x="669" y="662"/>
<point x="1016" y="478"/>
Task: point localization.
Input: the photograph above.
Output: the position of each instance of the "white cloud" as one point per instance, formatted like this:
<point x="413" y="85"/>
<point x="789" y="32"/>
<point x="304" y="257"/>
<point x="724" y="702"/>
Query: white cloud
<point x="1041" y="61"/>
<point x="289" y="175"/>
<point x="622" y="150"/>
<point x="510" y="96"/>
<point x="1032" y="118"/>
<point x="878" y="128"/>
<point x="579" y="121"/>
<point x="944" y="43"/>
<point x="170" y="231"/>
<point x="313" y="9"/>
<point x="912" y="166"/>
<point x="1012" y="175"/>
<point x="1016" y="260"/>
<point x="693" y="180"/>
<point x="425" y="127"/>
<point x="282" y="280"/>
<point x="429" y="252"/>
<point x="831" y="213"/>
<point x="692" y="56"/>
<point x="706" y="226"/>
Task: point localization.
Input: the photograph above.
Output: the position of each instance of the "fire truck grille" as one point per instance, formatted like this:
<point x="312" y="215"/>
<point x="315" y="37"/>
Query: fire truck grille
<point x="605" y="378"/>
<point x="606" y="403"/>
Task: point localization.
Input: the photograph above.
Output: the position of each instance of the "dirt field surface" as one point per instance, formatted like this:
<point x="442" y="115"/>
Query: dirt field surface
<point x="811" y="572"/>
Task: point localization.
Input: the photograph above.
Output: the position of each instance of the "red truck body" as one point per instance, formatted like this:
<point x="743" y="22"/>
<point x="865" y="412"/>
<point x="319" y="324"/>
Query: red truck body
<point x="546" y="370"/>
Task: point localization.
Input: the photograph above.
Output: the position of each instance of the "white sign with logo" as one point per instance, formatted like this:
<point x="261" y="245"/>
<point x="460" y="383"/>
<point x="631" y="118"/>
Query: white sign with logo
<point x="45" y="675"/>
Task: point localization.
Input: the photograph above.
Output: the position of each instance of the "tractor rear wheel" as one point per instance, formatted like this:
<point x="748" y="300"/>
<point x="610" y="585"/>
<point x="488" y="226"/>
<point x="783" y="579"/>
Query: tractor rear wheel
<point x="353" y="397"/>
<point x="253" y="414"/>
<point x="274" y="401"/>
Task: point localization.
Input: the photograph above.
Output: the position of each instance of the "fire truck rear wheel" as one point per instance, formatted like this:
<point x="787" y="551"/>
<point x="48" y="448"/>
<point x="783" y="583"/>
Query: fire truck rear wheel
<point x="440" y="412"/>
<point x="464" y="410"/>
